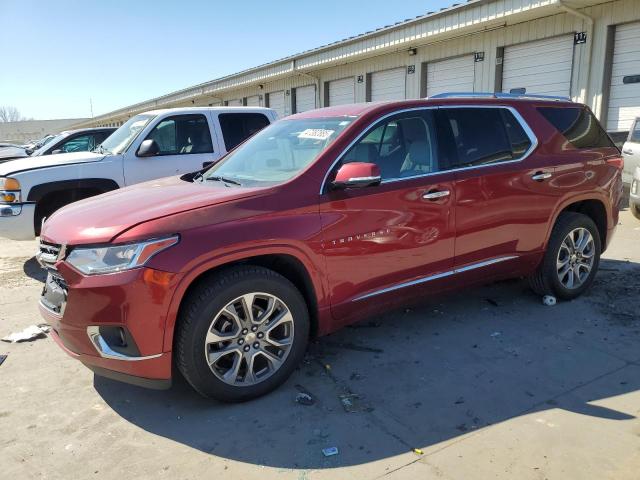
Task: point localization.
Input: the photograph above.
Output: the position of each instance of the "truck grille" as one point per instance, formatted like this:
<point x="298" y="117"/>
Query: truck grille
<point x="48" y="254"/>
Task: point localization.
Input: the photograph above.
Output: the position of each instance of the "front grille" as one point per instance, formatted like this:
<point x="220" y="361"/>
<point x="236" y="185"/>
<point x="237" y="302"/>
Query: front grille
<point x="48" y="255"/>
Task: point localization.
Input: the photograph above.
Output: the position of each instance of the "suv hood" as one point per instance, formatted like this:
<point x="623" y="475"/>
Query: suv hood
<point x="100" y="219"/>
<point x="43" y="161"/>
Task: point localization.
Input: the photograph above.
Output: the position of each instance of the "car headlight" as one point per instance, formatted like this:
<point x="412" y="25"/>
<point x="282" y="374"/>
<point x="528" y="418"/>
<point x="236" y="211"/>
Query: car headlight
<point x="9" y="190"/>
<point x="117" y="258"/>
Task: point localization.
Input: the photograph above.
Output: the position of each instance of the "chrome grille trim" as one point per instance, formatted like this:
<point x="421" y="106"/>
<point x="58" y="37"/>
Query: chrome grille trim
<point x="48" y="254"/>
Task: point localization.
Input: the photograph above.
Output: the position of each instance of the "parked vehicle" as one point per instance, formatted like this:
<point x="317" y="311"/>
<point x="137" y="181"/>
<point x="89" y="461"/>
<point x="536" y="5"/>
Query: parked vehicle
<point x="180" y="140"/>
<point x="319" y="220"/>
<point x="34" y="145"/>
<point x="634" y="194"/>
<point x="631" y="152"/>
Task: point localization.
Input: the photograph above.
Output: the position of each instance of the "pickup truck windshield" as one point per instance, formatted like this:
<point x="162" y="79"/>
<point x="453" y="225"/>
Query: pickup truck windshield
<point x="120" y="140"/>
<point x="279" y="152"/>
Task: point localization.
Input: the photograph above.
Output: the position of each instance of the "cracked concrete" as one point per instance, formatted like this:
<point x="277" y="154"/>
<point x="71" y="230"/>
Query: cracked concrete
<point x="487" y="383"/>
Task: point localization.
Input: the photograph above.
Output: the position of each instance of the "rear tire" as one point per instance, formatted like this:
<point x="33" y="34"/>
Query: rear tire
<point x="572" y="258"/>
<point x="241" y="333"/>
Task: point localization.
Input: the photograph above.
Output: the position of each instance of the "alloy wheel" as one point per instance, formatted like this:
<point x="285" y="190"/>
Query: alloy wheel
<point x="249" y="339"/>
<point x="575" y="258"/>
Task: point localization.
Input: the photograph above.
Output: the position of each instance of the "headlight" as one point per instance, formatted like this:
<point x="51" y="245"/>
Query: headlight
<point x="634" y="187"/>
<point x="9" y="190"/>
<point x="117" y="258"/>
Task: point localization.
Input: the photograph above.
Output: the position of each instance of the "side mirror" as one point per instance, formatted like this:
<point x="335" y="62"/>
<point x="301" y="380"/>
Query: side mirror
<point x="148" y="148"/>
<point x="56" y="151"/>
<point x="357" y="175"/>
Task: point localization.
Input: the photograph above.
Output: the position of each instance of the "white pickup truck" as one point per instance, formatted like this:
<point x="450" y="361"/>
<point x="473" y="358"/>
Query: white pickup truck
<point x="151" y="145"/>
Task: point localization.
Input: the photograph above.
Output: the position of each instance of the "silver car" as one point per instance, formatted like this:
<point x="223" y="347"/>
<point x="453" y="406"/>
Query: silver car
<point x="631" y="152"/>
<point x="634" y="194"/>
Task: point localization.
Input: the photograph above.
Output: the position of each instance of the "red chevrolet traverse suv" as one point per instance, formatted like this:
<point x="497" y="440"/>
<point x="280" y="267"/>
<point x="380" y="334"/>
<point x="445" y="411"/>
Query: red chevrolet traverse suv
<point x="321" y="219"/>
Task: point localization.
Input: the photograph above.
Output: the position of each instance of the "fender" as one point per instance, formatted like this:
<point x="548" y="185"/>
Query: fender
<point x="317" y="280"/>
<point x="566" y="201"/>
<point x="37" y="192"/>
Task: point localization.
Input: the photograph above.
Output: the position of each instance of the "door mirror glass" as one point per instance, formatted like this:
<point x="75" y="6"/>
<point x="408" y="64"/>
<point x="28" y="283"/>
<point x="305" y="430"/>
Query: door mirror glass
<point x="148" y="148"/>
<point x="357" y="175"/>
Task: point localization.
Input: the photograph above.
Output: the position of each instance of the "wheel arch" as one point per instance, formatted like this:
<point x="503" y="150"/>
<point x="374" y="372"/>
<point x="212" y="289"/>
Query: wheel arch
<point x="593" y="207"/>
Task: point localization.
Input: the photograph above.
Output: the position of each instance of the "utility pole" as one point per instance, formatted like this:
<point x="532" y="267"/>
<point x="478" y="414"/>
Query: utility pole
<point x="91" y="106"/>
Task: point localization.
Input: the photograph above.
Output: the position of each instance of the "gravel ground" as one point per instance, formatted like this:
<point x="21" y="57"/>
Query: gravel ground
<point x="486" y="383"/>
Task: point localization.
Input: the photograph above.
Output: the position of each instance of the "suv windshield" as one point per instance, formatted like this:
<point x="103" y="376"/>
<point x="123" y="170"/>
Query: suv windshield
<point x="119" y="140"/>
<point x="279" y="152"/>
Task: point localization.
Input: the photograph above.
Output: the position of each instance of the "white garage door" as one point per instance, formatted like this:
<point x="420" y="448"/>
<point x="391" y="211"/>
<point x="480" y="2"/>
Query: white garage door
<point x="388" y="85"/>
<point x="624" y="98"/>
<point x="342" y="92"/>
<point x="542" y="67"/>
<point x="453" y="75"/>
<point x="235" y="103"/>
<point x="276" y="101"/>
<point x="253" y="101"/>
<point x="305" y="98"/>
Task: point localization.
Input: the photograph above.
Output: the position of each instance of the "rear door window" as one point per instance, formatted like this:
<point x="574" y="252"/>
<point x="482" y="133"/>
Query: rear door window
<point x="182" y="135"/>
<point x="578" y="125"/>
<point x="483" y="136"/>
<point x="237" y="127"/>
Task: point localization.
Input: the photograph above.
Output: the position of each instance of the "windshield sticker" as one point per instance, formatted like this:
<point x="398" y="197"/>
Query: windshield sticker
<point x="316" y="133"/>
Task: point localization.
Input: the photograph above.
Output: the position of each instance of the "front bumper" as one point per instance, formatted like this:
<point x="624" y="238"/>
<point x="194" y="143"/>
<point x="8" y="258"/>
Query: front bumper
<point x="135" y="302"/>
<point x="19" y="227"/>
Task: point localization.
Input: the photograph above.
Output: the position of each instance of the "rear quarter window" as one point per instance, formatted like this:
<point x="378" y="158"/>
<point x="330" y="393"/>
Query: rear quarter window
<point x="578" y="125"/>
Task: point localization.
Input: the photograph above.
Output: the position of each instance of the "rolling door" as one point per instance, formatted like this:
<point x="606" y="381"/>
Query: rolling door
<point x="388" y="85"/>
<point x="452" y="75"/>
<point x="253" y="101"/>
<point x="235" y="103"/>
<point x="342" y="92"/>
<point x="305" y="98"/>
<point x="624" y="93"/>
<point x="276" y="102"/>
<point x="542" y="67"/>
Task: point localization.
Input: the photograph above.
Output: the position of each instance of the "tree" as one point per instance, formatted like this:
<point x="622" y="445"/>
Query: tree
<point x="10" y="114"/>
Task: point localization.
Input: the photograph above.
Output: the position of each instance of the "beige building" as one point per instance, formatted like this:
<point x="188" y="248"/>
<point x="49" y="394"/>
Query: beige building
<point x="24" y="131"/>
<point x="588" y="50"/>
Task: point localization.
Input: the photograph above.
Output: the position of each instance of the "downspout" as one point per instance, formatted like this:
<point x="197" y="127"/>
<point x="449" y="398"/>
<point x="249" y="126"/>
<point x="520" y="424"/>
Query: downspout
<point x="589" y="27"/>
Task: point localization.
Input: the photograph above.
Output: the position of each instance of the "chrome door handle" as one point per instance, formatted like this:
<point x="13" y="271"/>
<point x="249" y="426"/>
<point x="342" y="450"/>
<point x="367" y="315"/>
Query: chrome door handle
<point x="434" y="195"/>
<point x="540" y="176"/>
<point x="627" y="152"/>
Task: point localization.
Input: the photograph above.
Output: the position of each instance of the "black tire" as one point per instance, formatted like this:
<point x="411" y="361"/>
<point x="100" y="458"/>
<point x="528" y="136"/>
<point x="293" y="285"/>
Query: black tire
<point x="209" y="298"/>
<point x="545" y="280"/>
<point x="635" y="210"/>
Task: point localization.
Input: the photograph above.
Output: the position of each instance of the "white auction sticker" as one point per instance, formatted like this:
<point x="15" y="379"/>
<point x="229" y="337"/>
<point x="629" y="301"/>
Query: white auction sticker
<point x="316" y="133"/>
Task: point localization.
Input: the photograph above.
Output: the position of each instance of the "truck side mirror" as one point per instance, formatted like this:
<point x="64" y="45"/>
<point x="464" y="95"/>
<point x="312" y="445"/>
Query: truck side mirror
<point x="148" y="148"/>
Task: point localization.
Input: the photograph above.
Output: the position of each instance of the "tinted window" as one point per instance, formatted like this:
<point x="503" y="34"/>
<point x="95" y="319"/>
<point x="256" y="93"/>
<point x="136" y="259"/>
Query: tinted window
<point x="634" y="134"/>
<point x="181" y="135"/>
<point x="237" y="127"/>
<point x="483" y="136"/>
<point x="403" y="146"/>
<point x="579" y="126"/>
<point x="81" y="143"/>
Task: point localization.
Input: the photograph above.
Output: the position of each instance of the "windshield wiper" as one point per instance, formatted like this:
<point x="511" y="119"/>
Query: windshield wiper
<point x="224" y="179"/>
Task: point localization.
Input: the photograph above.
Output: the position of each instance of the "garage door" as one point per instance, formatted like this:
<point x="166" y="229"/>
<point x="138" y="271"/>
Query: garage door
<point x="453" y="75"/>
<point x="342" y="91"/>
<point x="276" y="101"/>
<point x="305" y="98"/>
<point x="253" y="101"/>
<point x="542" y="67"/>
<point x="388" y="85"/>
<point x="624" y="96"/>
<point x="235" y="103"/>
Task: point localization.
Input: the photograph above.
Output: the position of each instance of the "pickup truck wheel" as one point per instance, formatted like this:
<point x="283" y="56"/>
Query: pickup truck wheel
<point x="571" y="260"/>
<point x="241" y="334"/>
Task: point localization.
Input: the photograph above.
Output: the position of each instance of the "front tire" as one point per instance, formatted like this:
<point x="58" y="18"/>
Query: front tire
<point x="572" y="258"/>
<point x="241" y="333"/>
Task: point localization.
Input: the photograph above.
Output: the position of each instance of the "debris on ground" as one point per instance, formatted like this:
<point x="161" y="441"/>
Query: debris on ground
<point x="2" y="359"/>
<point x="549" y="300"/>
<point x="418" y="451"/>
<point x="496" y="334"/>
<point x="304" y="399"/>
<point x="330" y="451"/>
<point x="352" y="403"/>
<point x="459" y="401"/>
<point x="492" y="302"/>
<point x="28" y="334"/>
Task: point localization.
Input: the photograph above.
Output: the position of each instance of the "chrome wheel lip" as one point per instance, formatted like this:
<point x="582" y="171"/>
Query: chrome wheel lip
<point x="258" y="336"/>
<point x="575" y="258"/>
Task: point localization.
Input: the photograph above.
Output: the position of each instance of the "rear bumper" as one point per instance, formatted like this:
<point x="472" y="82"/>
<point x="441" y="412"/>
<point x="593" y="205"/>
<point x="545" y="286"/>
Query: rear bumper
<point x="135" y="301"/>
<point x="19" y="227"/>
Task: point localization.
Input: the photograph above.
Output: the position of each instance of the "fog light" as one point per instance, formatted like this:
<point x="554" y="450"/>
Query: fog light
<point x="10" y="210"/>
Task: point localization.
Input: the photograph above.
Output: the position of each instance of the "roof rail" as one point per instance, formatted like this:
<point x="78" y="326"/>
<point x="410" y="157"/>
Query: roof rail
<point x="514" y="96"/>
